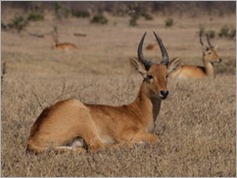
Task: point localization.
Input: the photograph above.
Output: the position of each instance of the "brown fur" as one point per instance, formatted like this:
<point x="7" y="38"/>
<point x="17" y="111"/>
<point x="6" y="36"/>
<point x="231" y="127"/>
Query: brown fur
<point x="64" y="46"/>
<point x="152" y="46"/>
<point x="101" y="125"/>
<point x="198" y="72"/>
<point x="61" y="46"/>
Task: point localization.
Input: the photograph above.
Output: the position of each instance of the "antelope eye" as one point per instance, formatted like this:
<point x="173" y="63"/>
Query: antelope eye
<point x="150" y="77"/>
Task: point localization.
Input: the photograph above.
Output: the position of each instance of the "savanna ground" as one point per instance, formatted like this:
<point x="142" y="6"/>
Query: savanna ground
<point x="196" y="124"/>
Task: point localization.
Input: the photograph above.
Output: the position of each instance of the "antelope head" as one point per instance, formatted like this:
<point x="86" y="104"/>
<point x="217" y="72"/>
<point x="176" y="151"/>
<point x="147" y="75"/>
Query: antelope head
<point x="209" y="52"/>
<point x="155" y="75"/>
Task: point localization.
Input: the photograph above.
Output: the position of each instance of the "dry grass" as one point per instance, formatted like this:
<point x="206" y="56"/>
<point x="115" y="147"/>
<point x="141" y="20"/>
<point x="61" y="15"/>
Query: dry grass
<point x="196" y="124"/>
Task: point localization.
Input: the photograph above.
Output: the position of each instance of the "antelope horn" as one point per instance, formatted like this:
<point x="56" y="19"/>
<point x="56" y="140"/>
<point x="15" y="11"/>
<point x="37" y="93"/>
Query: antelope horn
<point x="200" y="36"/>
<point x="208" y="40"/>
<point x="141" y="58"/>
<point x="165" y="56"/>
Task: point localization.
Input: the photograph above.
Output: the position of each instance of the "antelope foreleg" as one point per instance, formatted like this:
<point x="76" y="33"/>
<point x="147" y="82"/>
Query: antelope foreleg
<point x="145" y="137"/>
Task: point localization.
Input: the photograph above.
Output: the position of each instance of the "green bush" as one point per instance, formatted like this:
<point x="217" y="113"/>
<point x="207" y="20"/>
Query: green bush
<point x="224" y="31"/>
<point x="18" y="23"/>
<point x="61" y="11"/>
<point x="133" y="20"/>
<point x="227" y="32"/>
<point x="169" y="22"/>
<point x="33" y="16"/>
<point x="3" y="26"/>
<point x="211" y="33"/>
<point x="232" y="33"/>
<point x="100" y="19"/>
<point x="147" y="16"/>
<point x="81" y="13"/>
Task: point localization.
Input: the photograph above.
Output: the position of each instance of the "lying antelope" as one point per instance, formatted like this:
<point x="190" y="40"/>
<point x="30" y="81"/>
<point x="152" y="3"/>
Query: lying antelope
<point x="64" y="46"/>
<point x="152" y="46"/>
<point x="209" y="57"/>
<point x="72" y="125"/>
<point x="61" y="46"/>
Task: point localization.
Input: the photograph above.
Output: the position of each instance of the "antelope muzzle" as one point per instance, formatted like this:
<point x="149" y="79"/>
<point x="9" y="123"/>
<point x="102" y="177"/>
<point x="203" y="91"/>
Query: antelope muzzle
<point x="164" y="94"/>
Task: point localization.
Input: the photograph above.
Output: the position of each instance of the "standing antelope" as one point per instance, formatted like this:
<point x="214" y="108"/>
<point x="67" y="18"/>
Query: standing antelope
<point x="61" y="46"/>
<point x="99" y="126"/>
<point x="209" y="57"/>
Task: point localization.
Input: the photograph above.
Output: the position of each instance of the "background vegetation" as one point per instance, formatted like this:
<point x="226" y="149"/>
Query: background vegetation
<point x="197" y="123"/>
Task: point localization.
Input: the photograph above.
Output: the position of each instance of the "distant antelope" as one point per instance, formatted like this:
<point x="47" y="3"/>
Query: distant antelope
<point x="99" y="126"/>
<point x="61" y="46"/>
<point x="152" y="46"/>
<point x="198" y="72"/>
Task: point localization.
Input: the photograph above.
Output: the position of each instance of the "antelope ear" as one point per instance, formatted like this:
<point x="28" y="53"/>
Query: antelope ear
<point x="216" y="47"/>
<point x="174" y="64"/>
<point x="138" y="67"/>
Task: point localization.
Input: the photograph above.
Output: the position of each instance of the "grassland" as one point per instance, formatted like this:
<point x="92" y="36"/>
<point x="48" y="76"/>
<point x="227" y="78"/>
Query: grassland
<point x="196" y="125"/>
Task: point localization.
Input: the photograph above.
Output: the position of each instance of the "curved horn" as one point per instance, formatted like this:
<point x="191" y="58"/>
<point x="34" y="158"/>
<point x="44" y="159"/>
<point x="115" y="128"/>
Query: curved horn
<point x="208" y="40"/>
<point x="200" y="36"/>
<point x="165" y="56"/>
<point x="141" y="58"/>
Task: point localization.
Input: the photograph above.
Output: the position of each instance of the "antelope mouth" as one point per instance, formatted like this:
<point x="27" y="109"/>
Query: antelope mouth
<point x="219" y="61"/>
<point x="164" y="94"/>
<point x="163" y="97"/>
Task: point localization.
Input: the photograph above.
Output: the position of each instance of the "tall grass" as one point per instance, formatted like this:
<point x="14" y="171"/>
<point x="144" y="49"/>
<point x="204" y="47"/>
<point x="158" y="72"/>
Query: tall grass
<point x="196" y="124"/>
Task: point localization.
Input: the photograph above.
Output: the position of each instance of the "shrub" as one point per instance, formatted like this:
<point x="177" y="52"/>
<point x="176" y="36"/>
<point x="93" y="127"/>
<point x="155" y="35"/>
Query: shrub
<point x="224" y="31"/>
<point x="18" y="23"/>
<point x="3" y="26"/>
<point x="81" y="13"/>
<point x="61" y="11"/>
<point x="227" y="32"/>
<point x="232" y="33"/>
<point x="135" y="16"/>
<point x="211" y="33"/>
<point x="147" y="16"/>
<point x="133" y="20"/>
<point x="35" y="16"/>
<point x="169" y="22"/>
<point x="100" y="19"/>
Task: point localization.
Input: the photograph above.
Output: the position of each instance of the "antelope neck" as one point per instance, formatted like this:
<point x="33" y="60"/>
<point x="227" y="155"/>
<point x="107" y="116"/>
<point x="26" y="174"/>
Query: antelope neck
<point x="209" y="68"/>
<point x="149" y="107"/>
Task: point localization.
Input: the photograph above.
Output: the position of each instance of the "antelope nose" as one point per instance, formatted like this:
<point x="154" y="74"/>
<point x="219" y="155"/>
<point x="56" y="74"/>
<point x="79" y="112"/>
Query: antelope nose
<point x="220" y="60"/>
<point x="164" y="94"/>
